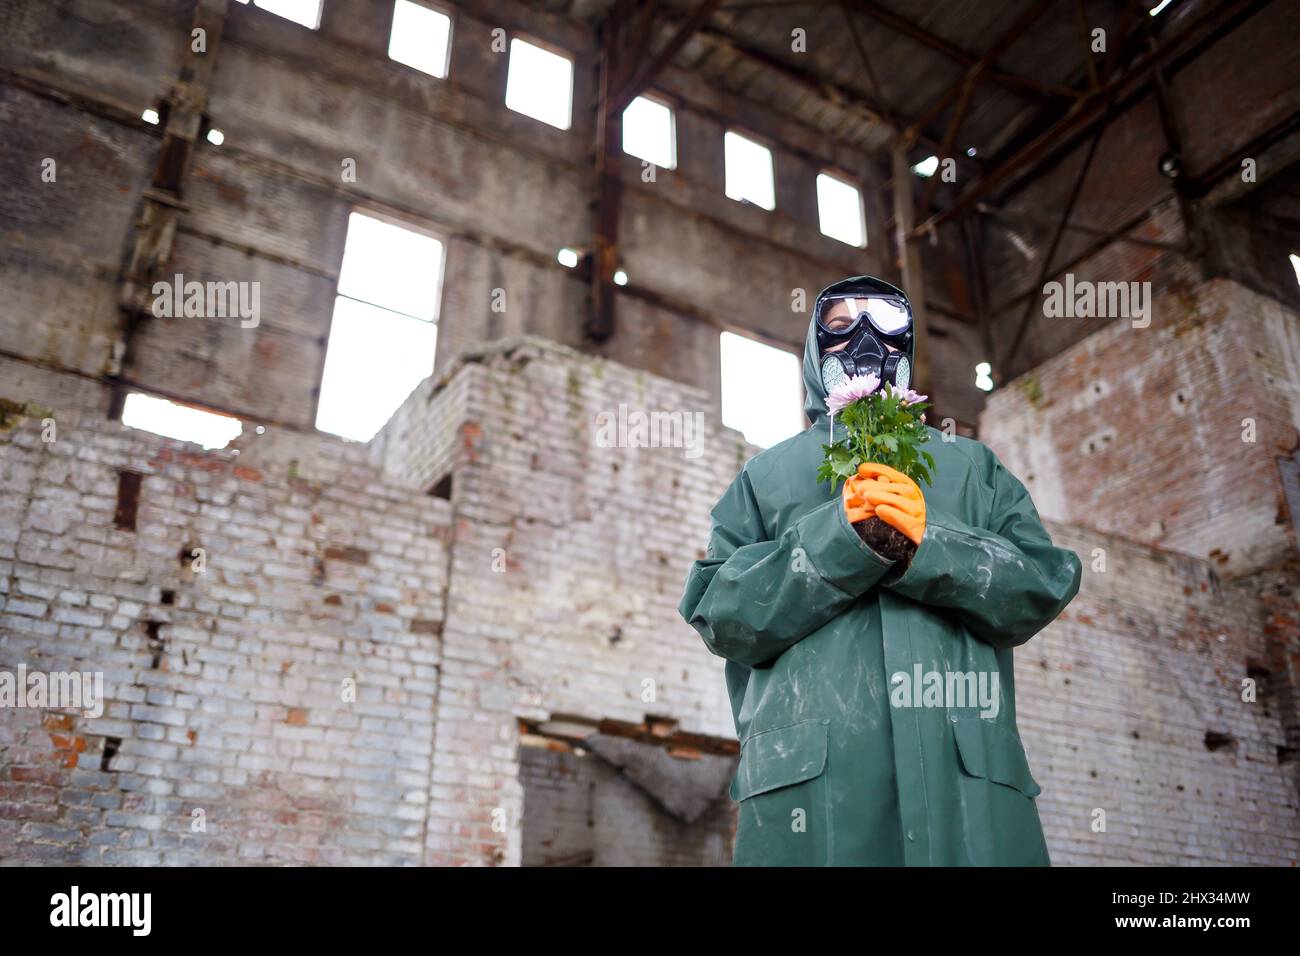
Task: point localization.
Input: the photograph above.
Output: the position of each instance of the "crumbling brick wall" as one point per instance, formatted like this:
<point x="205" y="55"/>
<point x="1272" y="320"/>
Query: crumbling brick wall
<point x="1168" y="434"/>
<point x="567" y="567"/>
<point x="583" y="812"/>
<point x="1131" y="703"/>
<point x="1135" y="712"/>
<point x="1173" y="442"/>
<point x="559" y="558"/>
<point x="226" y="737"/>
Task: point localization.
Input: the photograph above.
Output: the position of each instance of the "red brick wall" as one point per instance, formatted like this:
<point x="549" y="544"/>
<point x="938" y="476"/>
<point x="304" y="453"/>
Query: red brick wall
<point x="1139" y="432"/>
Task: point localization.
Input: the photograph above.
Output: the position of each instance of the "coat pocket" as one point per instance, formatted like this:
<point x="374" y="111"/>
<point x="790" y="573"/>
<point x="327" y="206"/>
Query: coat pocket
<point x="994" y="753"/>
<point x="772" y="759"/>
<point x="781" y="786"/>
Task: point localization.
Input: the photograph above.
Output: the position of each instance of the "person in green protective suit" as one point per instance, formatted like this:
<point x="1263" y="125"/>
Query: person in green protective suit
<point x="874" y="698"/>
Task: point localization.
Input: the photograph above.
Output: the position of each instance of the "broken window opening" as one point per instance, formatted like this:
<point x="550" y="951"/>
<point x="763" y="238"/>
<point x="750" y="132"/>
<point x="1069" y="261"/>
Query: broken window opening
<point x="111" y="746"/>
<point x="539" y="83"/>
<point x="839" y="210"/>
<point x="190" y="423"/>
<point x="384" y="330"/>
<point x="749" y="171"/>
<point x="421" y="37"/>
<point x="306" y="12"/>
<point x="442" y="488"/>
<point x="649" y="132"/>
<point x="128" y="500"/>
<point x="762" y="389"/>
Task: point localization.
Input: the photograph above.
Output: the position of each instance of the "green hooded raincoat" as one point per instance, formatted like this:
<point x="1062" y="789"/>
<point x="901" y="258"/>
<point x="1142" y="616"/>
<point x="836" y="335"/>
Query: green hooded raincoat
<point x="842" y="761"/>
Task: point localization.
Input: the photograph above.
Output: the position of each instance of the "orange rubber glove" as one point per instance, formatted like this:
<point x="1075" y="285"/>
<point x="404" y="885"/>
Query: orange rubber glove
<point x="854" y="506"/>
<point x="890" y="495"/>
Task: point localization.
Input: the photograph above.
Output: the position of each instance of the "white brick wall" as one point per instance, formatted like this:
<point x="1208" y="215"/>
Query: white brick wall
<point x="566" y="561"/>
<point x="242" y="717"/>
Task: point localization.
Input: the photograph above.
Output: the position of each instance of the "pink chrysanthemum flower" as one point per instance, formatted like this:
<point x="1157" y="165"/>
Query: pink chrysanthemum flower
<point x="908" y="396"/>
<point x="850" y="390"/>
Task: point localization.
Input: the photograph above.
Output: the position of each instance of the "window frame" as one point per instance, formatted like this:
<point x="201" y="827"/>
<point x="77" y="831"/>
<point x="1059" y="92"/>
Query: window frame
<point x="757" y="140"/>
<point x="672" y="107"/>
<point x="320" y="13"/>
<point x="800" y="395"/>
<point x="447" y="11"/>
<point x="423" y="229"/>
<point x="553" y="48"/>
<point x="431" y="231"/>
<point x="245" y="424"/>
<point x="830" y="172"/>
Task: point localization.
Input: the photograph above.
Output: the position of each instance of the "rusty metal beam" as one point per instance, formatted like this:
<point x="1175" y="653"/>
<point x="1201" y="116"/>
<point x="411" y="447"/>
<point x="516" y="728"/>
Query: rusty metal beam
<point x="979" y="69"/>
<point x="826" y="89"/>
<point x="840" y="96"/>
<point x="1083" y="256"/>
<point x="909" y="261"/>
<point x="1201" y="183"/>
<point x="949" y="136"/>
<point x="1089" y="108"/>
<point x="867" y="67"/>
<point x="1081" y="21"/>
<point x="648" y="732"/>
<point x="644" y="72"/>
<point x="979" y="285"/>
<point x="1173" y="142"/>
<point x="1115" y="235"/>
<point x="642" y="31"/>
<point x="1075" y="192"/>
<point x="918" y="33"/>
<point x="609" y="187"/>
<point x="155" y="227"/>
<point x="767" y="4"/>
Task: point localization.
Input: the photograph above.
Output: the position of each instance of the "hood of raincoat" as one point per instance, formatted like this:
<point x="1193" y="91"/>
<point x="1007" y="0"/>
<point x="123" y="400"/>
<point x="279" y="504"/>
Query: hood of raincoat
<point x="814" y="403"/>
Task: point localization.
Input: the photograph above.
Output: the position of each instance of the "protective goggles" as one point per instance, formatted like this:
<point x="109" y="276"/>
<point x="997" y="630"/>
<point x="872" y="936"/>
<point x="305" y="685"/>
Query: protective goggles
<point x="841" y="315"/>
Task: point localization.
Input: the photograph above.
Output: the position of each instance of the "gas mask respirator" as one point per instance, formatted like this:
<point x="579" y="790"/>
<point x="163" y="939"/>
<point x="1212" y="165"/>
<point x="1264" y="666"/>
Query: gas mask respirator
<point x="872" y="317"/>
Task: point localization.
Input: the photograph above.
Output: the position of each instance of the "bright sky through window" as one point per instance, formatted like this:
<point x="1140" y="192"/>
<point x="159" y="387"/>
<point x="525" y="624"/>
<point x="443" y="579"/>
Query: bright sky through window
<point x="762" y="390"/>
<point x="539" y="83"/>
<point x="421" y="37"/>
<point x="839" y="207"/>
<point x="382" y="337"/>
<point x="306" y="12"/>
<point x="157" y="415"/>
<point x="749" y="171"/>
<point x="648" y="132"/>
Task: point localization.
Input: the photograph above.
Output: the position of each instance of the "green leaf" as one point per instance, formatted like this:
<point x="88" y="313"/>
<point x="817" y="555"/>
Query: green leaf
<point x="881" y="429"/>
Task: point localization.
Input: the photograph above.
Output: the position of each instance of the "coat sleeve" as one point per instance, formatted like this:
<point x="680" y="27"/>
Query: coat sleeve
<point x="752" y="597"/>
<point x="1006" y="582"/>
